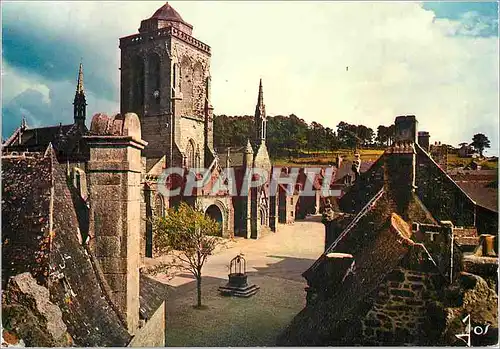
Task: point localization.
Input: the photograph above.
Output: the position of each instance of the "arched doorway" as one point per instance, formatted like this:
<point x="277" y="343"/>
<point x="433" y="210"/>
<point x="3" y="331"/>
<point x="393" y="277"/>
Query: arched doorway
<point x="214" y="212"/>
<point x="263" y="216"/>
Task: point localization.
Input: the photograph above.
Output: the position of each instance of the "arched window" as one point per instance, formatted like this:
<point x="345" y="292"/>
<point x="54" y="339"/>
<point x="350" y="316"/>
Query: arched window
<point x="159" y="206"/>
<point x="175" y="78"/>
<point x="137" y="84"/>
<point x="154" y="78"/>
<point x="190" y="154"/>
<point x="186" y="84"/>
<point x="198" y="90"/>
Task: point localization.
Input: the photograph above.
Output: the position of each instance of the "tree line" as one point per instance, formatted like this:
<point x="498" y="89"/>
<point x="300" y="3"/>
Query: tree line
<point x="285" y="133"/>
<point x="291" y="133"/>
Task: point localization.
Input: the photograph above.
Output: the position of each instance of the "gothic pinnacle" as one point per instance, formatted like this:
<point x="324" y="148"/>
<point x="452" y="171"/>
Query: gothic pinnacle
<point x="79" y="86"/>
<point x="260" y="100"/>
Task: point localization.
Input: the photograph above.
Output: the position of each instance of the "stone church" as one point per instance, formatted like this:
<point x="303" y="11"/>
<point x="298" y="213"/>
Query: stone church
<point x="165" y="81"/>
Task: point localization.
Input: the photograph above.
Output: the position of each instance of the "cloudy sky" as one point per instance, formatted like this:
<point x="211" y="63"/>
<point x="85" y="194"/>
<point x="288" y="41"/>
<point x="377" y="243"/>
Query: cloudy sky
<point x="438" y="61"/>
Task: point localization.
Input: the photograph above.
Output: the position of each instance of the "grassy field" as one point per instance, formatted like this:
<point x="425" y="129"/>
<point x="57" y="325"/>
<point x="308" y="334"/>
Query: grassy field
<point x="326" y="158"/>
<point x="454" y="161"/>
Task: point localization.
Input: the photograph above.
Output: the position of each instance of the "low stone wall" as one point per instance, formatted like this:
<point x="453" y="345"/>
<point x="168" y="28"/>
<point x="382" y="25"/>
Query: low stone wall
<point x="152" y="334"/>
<point x="399" y="312"/>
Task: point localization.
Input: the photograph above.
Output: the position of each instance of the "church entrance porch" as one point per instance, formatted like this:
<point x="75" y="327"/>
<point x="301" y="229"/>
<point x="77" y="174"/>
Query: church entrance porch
<point x="215" y="213"/>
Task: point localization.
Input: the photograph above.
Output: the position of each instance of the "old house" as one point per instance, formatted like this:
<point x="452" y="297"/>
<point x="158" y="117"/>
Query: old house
<point x="404" y="262"/>
<point x="78" y="281"/>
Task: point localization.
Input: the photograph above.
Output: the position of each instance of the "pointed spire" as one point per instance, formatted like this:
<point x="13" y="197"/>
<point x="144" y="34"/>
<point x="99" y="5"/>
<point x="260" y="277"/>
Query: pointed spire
<point x="79" y="103"/>
<point x="260" y="99"/>
<point x="260" y="118"/>
<point x="79" y="85"/>
<point x="23" y="123"/>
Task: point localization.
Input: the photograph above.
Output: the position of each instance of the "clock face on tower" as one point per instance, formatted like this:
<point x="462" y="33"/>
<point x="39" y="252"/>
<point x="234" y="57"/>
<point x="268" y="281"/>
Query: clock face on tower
<point x="156" y="94"/>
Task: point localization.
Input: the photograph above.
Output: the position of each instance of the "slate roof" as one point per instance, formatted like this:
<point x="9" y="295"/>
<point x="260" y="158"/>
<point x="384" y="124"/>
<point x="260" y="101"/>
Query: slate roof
<point x="152" y="294"/>
<point x="37" y="139"/>
<point x="66" y="140"/>
<point x="481" y="186"/>
<point x="346" y="169"/>
<point x="168" y="13"/>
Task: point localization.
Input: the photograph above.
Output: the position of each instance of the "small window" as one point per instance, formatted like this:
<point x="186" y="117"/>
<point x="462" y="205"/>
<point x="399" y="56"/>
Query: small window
<point x="291" y="201"/>
<point x="291" y="213"/>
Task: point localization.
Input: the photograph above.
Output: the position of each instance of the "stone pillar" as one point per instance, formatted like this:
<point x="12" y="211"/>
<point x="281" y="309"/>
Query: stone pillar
<point x="114" y="173"/>
<point x="423" y="140"/>
<point x="273" y="212"/>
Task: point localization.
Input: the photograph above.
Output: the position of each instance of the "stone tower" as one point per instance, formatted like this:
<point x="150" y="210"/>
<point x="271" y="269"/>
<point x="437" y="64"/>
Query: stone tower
<point x="79" y="103"/>
<point x="165" y="79"/>
<point x="260" y="118"/>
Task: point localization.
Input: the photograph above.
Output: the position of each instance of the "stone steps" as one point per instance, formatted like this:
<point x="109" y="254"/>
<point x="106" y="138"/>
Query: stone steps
<point x="244" y="292"/>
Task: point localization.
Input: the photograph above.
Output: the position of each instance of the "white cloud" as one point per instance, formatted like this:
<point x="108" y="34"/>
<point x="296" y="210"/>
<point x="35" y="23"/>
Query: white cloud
<point x="401" y="59"/>
<point x="15" y="83"/>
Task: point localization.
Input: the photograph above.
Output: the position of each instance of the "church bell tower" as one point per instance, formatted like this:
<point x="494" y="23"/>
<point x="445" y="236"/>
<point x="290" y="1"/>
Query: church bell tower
<point x="165" y="80"/>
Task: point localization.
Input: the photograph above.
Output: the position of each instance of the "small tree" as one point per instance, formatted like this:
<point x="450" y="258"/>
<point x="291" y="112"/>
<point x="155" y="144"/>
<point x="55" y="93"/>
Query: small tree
<point x="480" y="142"/>
<point x="189" y="236"/>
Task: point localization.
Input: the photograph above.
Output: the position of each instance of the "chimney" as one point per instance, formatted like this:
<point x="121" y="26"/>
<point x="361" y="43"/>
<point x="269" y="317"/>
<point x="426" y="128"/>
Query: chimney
<point x="114" y="177"/>
<point x="399" y="168"/>
<point x="405" y="128"/>
<point x="424" y="140"/>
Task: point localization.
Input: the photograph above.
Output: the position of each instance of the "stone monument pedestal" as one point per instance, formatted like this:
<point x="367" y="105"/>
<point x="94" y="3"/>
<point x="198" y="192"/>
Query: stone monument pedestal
<point x="238" y="286"/>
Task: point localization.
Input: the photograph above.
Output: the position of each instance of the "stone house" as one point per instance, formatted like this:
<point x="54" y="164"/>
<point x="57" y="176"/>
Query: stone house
<point x="400" y="268"/>
<point x="466" y="151"/>
<point x="81" y="261"/>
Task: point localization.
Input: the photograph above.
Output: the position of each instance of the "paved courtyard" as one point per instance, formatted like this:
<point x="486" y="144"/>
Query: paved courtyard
<point x="274" y="262"/>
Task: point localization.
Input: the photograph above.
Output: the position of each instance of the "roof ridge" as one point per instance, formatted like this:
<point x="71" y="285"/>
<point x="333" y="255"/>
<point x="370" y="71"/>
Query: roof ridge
<point x="367" y="208"/>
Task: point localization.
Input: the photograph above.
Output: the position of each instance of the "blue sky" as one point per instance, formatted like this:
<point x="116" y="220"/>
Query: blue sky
<point x="436" y="60"/>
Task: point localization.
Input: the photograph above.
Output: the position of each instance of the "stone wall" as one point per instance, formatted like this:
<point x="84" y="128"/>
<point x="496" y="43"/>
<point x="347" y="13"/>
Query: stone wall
<point x="399" y="313"/>
<point x="190" y="130"/>
<point x="152" y="333"/>
<point x="287" y="205"/>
